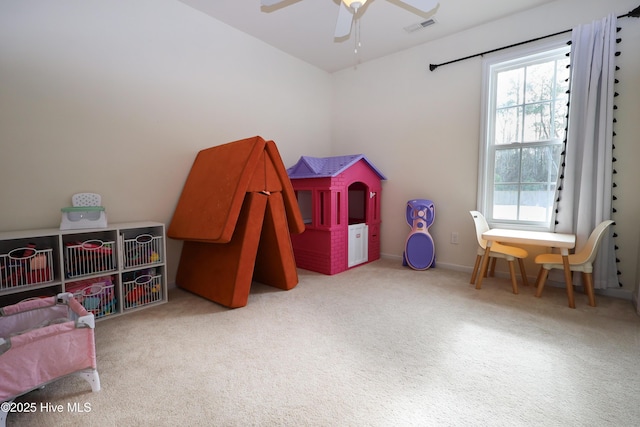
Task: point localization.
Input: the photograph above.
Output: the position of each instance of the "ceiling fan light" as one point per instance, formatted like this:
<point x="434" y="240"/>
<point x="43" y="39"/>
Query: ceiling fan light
<point x="354" y="4"/>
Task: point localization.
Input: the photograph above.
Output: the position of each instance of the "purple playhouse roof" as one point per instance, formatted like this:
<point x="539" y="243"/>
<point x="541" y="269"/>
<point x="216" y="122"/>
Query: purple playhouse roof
<point x="323" y="167"/>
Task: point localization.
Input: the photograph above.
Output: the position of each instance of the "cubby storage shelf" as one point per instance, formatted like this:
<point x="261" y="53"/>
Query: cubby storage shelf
<point x="111" y="271"/>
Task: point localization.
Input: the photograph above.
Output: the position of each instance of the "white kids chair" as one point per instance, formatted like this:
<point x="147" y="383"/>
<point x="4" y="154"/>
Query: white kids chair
<point x="581" y="261"/>
<point x="498" y="250"/>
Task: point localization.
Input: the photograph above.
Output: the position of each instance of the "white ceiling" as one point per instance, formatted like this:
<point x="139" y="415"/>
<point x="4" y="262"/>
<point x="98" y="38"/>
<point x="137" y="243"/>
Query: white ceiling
<point x="304" y="28"/>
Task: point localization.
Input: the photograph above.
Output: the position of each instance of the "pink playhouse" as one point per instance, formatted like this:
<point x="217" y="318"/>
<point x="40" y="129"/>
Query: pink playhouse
<point x="339" y="198"/>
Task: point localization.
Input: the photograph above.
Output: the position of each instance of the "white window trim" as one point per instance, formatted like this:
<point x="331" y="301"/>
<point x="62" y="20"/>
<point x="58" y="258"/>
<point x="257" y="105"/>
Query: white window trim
<point x="488" y="61"/>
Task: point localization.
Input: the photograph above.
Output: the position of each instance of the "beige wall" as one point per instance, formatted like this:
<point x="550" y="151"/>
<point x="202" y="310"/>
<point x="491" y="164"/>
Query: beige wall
<point x="421" y="128"/>
<point x="117" y="97"/>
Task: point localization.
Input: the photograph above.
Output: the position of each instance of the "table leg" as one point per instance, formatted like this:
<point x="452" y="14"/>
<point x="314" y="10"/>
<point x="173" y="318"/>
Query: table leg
<point x="485" y="265"/>
<point x="567" y="277"/>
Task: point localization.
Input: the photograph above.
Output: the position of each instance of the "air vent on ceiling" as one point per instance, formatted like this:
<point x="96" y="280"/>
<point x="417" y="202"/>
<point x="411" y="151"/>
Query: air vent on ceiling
<point x="419" y="26"/>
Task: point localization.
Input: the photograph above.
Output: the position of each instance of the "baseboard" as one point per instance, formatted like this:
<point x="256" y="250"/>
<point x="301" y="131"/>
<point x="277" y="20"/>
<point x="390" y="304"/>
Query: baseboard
<point x="446" y="266"/>
<point x="625" y="294"/>
<point x="621" y="293"/>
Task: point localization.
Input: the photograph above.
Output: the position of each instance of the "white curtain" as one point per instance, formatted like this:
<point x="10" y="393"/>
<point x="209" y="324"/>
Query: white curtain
<point x="585" y="199"/>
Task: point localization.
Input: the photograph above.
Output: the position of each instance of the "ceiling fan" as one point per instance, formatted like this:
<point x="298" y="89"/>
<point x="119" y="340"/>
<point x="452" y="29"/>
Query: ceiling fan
<point x="349" y="10"/>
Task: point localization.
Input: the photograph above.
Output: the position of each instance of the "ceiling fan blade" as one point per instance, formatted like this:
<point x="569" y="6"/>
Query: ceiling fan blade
<point x="345" y="19"/>
<point x="269" y="2"/>
<point x="422" y="5"/>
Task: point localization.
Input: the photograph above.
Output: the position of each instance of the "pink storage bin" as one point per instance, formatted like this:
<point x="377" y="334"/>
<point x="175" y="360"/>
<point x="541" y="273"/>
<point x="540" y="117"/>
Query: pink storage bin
<point x="97" y="295"/>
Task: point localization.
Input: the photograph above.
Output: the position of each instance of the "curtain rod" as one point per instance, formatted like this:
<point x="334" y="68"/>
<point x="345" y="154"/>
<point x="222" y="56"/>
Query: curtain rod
<point x="635" y="13"/>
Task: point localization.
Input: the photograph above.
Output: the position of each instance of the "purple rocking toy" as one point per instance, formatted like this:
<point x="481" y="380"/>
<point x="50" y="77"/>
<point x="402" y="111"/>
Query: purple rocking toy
<point x="419" y="251"/>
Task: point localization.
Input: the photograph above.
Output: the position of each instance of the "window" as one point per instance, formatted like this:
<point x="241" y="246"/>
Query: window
<point x="325" y="208"/>
<point x="305" y="204"/>
<point x="524" y="121"/>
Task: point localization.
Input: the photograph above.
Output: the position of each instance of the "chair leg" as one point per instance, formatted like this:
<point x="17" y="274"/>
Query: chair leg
<point x="483" y="269"/>
<point x="475" y="269"/>
<point x="514" y="283"/>
<point x="493" y="267"/>
<point x="525" y="281"/>
<point x="542" y="277"/>
<point x="588" y="287"/>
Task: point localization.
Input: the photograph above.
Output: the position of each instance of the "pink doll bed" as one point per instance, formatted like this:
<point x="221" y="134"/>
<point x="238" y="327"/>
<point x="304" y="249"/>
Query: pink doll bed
<point x="42" y="340"/>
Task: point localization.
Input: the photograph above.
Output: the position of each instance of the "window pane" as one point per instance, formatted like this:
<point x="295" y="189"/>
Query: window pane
<point x="562" y="76"/>
<point x="507" y="166"/>
<point x="537" y="122"/>
<point x="505" y="202"/>
<point x="561" y="98"/>
<point x="540" y="82"/>
<point x="536" y="201"/>
<point x="540" y="164"/>
<point x="508" y="125"/>
<point x="560" y="117"/>
<point x="509" y="88"/>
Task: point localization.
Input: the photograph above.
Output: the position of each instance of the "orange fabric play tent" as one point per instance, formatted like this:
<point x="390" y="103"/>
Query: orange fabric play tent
<point x="235" y="214"/>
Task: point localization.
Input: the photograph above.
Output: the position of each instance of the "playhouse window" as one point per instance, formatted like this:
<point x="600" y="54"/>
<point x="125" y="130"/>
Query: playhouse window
<point x="357" y="203"/>
<point x="305" y="204"/>
<point x="325" y="208"/>
<point x="323" y="204"/>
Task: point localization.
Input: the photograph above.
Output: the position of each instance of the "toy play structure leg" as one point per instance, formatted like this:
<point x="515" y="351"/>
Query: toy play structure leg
<point x="91" y="376"/>
<point x="3" y="414"/>
<point x="275" y="263"/>
<point x="222" y="272"/>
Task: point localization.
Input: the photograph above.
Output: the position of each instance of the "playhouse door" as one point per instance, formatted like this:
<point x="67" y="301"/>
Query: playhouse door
<point x="358" y="244"/>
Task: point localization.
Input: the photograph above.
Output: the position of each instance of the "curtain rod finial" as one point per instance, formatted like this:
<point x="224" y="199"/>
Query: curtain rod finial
<point x="432" y="67"/>
<point x="635" y="12"/>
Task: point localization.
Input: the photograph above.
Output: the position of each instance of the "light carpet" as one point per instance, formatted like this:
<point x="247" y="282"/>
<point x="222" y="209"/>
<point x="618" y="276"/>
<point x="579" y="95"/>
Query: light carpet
<point x="378" y="345"/>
